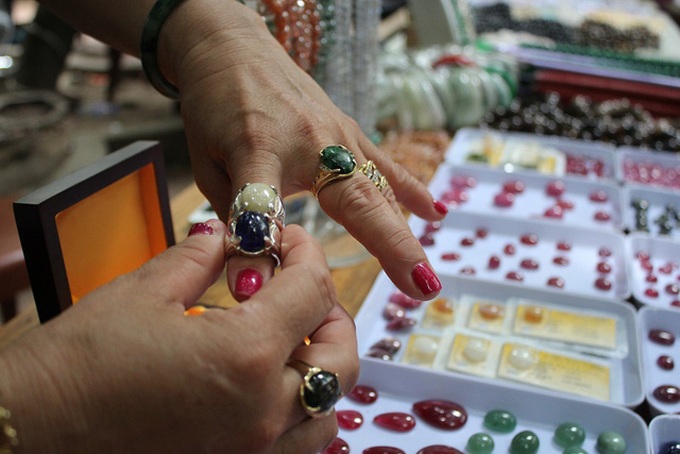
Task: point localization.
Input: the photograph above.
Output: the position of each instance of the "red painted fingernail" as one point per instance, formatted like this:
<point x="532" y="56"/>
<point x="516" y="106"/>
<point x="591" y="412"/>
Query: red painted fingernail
<point x="248" y="282"/>
<point x="425" y="279"/>
<point x="440" y="207"/>
<point x="201" y="228"/>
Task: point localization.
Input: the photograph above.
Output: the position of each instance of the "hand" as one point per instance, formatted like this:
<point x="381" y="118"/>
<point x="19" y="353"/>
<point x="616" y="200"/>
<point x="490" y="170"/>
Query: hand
<point x="252" y="116"/>
<point x="125" y="370"/>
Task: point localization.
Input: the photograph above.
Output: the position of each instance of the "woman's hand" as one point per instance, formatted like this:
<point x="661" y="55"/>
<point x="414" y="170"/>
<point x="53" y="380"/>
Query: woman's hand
<point x="125" y="370"/>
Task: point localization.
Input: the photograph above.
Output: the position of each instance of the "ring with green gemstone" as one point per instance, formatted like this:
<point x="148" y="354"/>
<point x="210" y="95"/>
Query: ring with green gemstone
<point x="337" y="163"/>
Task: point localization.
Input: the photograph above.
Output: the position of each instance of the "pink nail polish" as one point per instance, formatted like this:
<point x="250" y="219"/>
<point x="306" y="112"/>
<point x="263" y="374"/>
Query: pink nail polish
<point x="201" y="228"/>
<point x="425" y="279"/>
<point x="440" y="207"/>
<point x="248" y="282"/>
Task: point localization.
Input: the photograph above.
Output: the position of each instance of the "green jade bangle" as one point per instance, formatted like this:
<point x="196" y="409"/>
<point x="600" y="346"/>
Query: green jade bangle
<point x="154" y="22"/>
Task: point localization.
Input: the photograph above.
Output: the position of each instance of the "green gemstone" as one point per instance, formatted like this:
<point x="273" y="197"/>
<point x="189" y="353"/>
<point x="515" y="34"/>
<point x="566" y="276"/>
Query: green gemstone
<point x="575" y="450"/>
<point x="610" y="443"/>
<point x="569" y="434"/>
<point x="500" y="421"/>
<point x="480" y="443"/>
<point x="338" y="159"/>
<point x="525" y="442"/>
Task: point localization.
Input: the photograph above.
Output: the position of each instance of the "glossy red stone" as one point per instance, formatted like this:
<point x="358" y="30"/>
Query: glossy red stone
<point x="669" y="394"/>
<point x="439" y="449"/>
<point x="482" y="233"/>
<point x="529" y="239"/>
<point x="405" y="301"/>
<point x="469" y="270"/>
<point x="514" y="276"/>
<point x="563" y="246"/>
<point x="603" y="283"/>
<point x="392" y="311"/>
<point x="665" y="362"/>
<point x="363" y="394"/>
<point x="604" y="267"/>
<point x="504" y="199"/>
<point x="651" y="293"/>
<point x="427" y="240"/>
<point x="675" y="303"/>
<point x="467" y="241"/>
<point x="642" y="255"/>
<point x="338" y="446"/>
<point x="514" y="186"/>
<point x="443" y="414"/>
<point x="604" y="252"/>
<point x="661" y="336"/>
<point x="432" y="227"/>
<point x="602" y="216"/>
<point x="529" y="264"/>
<point x="565" y="204"/>
<point x="555" y="188"/>
<point x="400" y="324"/>
<point x="455" y="196"/>
<point x="651" y="278"/>
<point x="554" y="212"/>
<point x="561" y="261"/>
<point x="395" y="421"/>
<point x="383" y="450"/>
<point x="464" y="181"/>
<point x="556" y="282"/>
<point x="349" y="419"/>
<point x="390" y="345"/>
<point x="450" y="256"/>
<point x="598" y="196"/>
<point x="509" y="249"/>
<point x="494" y="262"/>
<point x="379" y="354"/>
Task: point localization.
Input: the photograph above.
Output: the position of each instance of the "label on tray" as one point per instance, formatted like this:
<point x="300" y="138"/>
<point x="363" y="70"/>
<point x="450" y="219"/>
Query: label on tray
<point x="473" y="355"/>
<point x="488" y="316"/>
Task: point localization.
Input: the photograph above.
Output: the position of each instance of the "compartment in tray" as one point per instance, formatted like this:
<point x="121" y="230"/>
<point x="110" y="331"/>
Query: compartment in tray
<point x="564" y="258"/>
<point x="652" y="211"/>
<point x="664" y="430"/>
<point x="656" y="372"/>
<point x="646" y="167"/>
<point x="594" y="331"/>
<point x="654" y="270"/>
<point x="528" y="195"/>
<point x="540" y="412"/>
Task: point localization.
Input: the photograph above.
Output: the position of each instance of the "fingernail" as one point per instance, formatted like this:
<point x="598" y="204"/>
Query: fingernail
<point x="440" y="207"/>
<point x="425" y="279"/>
<point x="201" y="228"/>
<point x="248" y="282"/>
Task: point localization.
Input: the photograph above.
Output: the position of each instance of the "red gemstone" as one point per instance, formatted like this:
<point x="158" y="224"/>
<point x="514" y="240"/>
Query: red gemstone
<point x="667" y="393"/>
<point x="529" y="264"/>
<point x="383" y="450"/>
<point x="661" y="336"/>
<point x="509" y="249"/>
<point x="405" y="301"/>
<point x="379" y="354"/>
<point x="561" y="261"/>
<point x="603" y="283"/>
<point x="565" y="204"/>
<point x="514" y="186"/>
<point x="602" y="216"/>
<point x="666" y="269"/>
<point x="426" y="240"/>
<point x="557" y="282"/>
<point x="390" y="345"/>
<point x="563" y="246"/>
<point x="443" y="414"/>
<point x="675" y="303"/>
<point x="455" y="196"/>
<point x="339" y="446"/>
<point x="604" y="252"/>
<point x="469" y="270"/>
<point x="599" y="196"/>
<point x="514" y="276"/>
<point x="450" y="257"/>
<point x="530" y="239"/>
<point x="464" y="181"/>
<point x="604" y="267"/>
<point x="439" y="449"/>
<point x="396" y="421"/>
<point x="504" y="199"/>
<point x="555" y="188"/>
<point x="665" y="362"/>
<point x="642" y="255"/>
<point x="652" y="293"/>
<point x="651" y="278"/>
<point x="481" y="232"/>
<point x="467" y="241"/>
<point x="432" y="227"/>
<point x="392" y="311"/>
<point x="554" y="212"/>
<point x="349" y="419"/>
<point x="494" y="262"/>
<point x="400" y="323"/>
<point x="363" y="394"/>
<point x="646" y="265"/>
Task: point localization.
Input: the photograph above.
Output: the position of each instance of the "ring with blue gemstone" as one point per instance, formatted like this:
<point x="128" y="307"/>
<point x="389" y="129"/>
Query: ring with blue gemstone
<point x="337" y="163"/>
<point x="319" y="390"/>
<point x="256" y="219"/>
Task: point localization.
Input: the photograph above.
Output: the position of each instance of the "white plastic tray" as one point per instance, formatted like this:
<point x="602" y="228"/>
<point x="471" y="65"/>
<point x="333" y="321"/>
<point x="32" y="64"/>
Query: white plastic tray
<point x="624" y="360"/>
<point x="400" y="387"/>
<point x="664" y="260"/>
<point x="664" y="429"/>
<point x="658" y="199"/>
<point x="653" y="164"/>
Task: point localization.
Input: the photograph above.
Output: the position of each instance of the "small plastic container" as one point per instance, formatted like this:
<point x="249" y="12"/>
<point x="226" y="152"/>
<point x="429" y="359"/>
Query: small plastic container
<point x="648" y="168"/>
<point x="654" y="271"/>
<point x="651" y="211"/>
<point x="664" y="429"/>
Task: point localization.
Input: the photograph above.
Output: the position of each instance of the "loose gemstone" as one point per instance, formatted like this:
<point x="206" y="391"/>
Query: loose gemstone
<point x="661" y="336"/>
<point x="569" y="434"/>
<point x="610" y="442"/>
<point x="651" y="278"/>
<point x="383" y="450"/>
<point x="561" y="261"/>
<point x="392" y="311"/>
<point x="563" y="246"/>
<point x="555" y="188"/>
<point x="514" y="276"/>
<point x="599" y="196"/>
<point x="441" y="306"/>
<point x="396" y="421"/>
<point x="450" y="257"/>
<point x="514" y="186"/>
<point x="481" y="233"/>
<point x="565" y="204"/>
<point x="252" y="228"/>
<point x="525" y="442"/>
<point x="602" y="216"/>
<point x="672" y="289"/>
<point x="529" y="239"/>
<point x="604" y="252"/>
<point x="556" y="282"/>
<point x="405" y="301"/>
<point x="467" y="241"/>
<point x="523" y="358"/>
<point x="476" y="350"/>
<point x="338" y="446"/>
<point x="604" y="267"/>
<point x="602" y="283"/>
<point x="672" y="447"/>
<point x="504" y="199"/>
<point x="379" y="354"/>
<point x="363" y="394"/>
<point x="464" y="181"/>
<point x="529" y="264"/>
<point x="439" y="449"/>
<point x="433" y="226"/>
<point x="669" y="394"/>
<point x="533" y="314"/>
<point x="491" y="311"/>
<point x="443" y="414"/>
<point x="455" y="196"/>
<point x="575" y="450"/>
<point x="349" y="419"/>
<point x="494" y="262"/>
<point x="400" y="323"/>
<point x="675" y="303"/>
<point x="665" y="362"/>
<point x="480" y="443"/>
<point x="469" y="270"/>
<point x="501" y="421"/>
<point x="509" y="249"/>
<point x="389" y="344"/>
<point x="427" y="240"/>
<point x="651" y="293"/>
<point x="337" y="158"/>
<point x="554" y="212"/>
<point x="666" y="268"/>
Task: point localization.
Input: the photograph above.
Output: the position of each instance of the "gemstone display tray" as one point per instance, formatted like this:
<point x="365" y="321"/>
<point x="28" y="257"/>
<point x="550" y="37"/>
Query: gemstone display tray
<point x="623" y="361"/>
<point x="653" y="376"/>
<point x="579" y="275"/>
<point x="664" y="429"/>
<point x="541" y="412"/>
<point x="658" y="199"/>
<point x="468" y="138"/>
<point x="663" y="265"/>
<point x="646" y="167"/>
<point x="450" y="184"/>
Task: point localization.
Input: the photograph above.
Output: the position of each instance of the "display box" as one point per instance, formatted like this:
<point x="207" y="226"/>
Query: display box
<point x="654" y="270"/>
<point x="87" y="228"/>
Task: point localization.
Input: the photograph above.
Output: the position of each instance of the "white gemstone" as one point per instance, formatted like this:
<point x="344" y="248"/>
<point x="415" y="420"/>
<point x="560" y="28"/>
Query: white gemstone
<point x="258" y="197"/>
<point x="476" y="350"/>
<point x="425" y="346"/>
<point x="523" y="358"/>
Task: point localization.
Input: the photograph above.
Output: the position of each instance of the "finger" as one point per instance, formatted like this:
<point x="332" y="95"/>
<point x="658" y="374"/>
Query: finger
<point x="214" y="184"/>
<point x="308" y="437"/>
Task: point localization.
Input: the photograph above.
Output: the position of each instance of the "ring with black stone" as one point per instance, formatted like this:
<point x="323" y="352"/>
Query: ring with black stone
<point x="319" y="390"/>
<point x="256" y="219"/>
<point x="337" y="163"/>
<point x="372" y="173"/>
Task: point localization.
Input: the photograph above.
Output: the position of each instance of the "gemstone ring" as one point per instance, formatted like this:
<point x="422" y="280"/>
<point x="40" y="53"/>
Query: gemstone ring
<point x="371" y="171"/>
<point x="337" y="162"/>
<point x="256" y="220"/>
<point x="319" y="390"/>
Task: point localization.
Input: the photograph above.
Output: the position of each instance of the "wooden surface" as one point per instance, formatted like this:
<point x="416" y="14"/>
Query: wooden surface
<point x="352" y="283"/>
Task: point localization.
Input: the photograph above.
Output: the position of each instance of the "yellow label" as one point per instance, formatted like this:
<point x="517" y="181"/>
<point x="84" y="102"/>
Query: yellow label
<point x="488" y="316"/>
<point x="549" y="370"/>
<point x="565" y="326"/>
<point x="471" y="354"/>
<point x="439" y="314"/>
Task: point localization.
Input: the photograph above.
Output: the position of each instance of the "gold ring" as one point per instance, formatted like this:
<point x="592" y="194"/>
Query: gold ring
<point x="371" y="171"/>
<point x="337" y="163"/>
<point x="319" y="390"/>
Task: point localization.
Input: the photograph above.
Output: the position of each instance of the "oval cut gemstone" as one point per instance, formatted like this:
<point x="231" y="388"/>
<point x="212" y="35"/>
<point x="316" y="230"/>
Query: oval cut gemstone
<point x="665" y="362"/>
<point x="383" y="450"/>
<point x="323" y="391"/>
<point x="575" y="450"/>
<point x="603" y="283"/>
<point x="561" y="261"/>
<point x="252" y="228"/>
<point x="480" y="443"/>
<point x="439" y="449"/>
<point x="363" y="394"/>
<point x="389" y="344"/>
<point x="525" y="442"/>
<point x="339" y="446"/>
<point x="349" y="419"/>
<point x="569" y="434"/>
<point x="405" y="301"/>
<point x="530" y="239"/>
<point x="450" y="257"/>
<point x="556" y="282"/>
<point x="667" y="393"/>
<point x="336" y="158"/>
<point x="563" y="246"/>
<point x="443" y="414"/>
<point x="529" y="264"/>
<point x="661" y="336"/>
<point x="494" y="262"/>
<point x="610" y="443"/>
<point x="500" y="421"/>
<point x="396" y="421"/>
